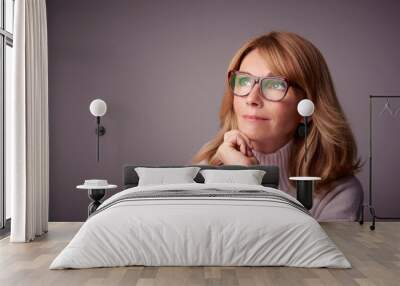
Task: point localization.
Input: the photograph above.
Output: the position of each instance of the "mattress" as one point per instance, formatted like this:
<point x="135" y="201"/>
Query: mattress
<point x="198" y="224"/>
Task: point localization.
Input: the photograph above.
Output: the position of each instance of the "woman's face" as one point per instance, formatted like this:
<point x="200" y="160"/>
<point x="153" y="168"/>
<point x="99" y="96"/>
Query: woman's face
<point x="280" y="118"/>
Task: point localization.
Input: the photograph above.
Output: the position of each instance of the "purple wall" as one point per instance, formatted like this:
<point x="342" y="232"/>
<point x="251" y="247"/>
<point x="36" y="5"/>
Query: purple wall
<point x="160" y="66"/>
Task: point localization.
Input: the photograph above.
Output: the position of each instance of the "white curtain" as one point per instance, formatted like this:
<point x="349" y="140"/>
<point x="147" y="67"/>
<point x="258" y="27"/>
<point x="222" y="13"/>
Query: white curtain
<point x="27" y="120"/>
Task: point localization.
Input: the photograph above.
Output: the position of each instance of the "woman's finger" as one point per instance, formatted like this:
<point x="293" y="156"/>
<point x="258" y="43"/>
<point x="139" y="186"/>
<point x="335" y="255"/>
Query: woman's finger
<point x="229" y="133"/>
<point x="249" y="152"/>
<point x="242" y="145"/>
<point x="248" y="141"/>
<point x="233" y="136"/>
<point x="235" y="132"/>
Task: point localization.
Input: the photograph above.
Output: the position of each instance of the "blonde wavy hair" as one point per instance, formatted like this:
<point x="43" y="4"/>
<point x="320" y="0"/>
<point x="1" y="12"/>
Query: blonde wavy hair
<point x="332" y="150"/>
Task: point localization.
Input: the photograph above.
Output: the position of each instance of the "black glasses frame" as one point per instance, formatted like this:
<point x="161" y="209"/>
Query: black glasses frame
<point x="256" y="80"/>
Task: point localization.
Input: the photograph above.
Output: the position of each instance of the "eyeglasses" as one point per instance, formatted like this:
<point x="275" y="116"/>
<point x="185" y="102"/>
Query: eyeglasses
<point x="273" y="88"/>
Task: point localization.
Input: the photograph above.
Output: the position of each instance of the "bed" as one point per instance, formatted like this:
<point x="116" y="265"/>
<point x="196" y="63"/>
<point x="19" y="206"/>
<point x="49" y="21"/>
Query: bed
<point x="201" y="224"/>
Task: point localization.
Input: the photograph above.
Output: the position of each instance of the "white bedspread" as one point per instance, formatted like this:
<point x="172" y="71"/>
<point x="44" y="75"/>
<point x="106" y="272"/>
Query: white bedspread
<point x="200" y="231"/>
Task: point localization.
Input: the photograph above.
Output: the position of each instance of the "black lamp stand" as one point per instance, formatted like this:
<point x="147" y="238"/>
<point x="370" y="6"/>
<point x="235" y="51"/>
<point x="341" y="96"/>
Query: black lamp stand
<point x="305" y="189"/>
<point x="100" y="131"/>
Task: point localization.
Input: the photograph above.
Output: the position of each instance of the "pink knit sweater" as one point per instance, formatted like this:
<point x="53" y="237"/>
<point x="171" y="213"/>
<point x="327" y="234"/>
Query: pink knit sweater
<point x="342" y="203"/>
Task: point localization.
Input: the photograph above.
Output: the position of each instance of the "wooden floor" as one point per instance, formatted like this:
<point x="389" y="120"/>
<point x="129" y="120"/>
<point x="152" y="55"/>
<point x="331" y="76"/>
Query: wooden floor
<point x="374" y="255"/>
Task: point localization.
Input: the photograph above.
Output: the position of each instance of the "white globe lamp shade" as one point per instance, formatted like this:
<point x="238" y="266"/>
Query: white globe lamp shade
<point x="98" y="107"/>
<point x="305" y="107"/>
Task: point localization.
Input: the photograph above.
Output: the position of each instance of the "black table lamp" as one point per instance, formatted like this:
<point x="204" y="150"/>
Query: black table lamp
<point x="98" y="108"/>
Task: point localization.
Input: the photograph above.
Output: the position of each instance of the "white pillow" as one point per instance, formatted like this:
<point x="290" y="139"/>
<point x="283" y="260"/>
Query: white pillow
<point x="167" y="175"/>
<point x="250" y="177"/>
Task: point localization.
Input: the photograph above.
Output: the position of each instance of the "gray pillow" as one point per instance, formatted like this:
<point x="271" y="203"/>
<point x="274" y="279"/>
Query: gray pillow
<point x="249" y="177"/>
<point x="160" y="176"/>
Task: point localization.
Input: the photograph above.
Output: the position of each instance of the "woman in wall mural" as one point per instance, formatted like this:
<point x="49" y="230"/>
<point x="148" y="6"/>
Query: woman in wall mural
<point x="260" y="125"/>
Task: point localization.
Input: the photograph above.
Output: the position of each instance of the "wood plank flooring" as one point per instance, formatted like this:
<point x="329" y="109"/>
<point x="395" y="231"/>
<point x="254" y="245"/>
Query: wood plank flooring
<point x="374" y="255"/>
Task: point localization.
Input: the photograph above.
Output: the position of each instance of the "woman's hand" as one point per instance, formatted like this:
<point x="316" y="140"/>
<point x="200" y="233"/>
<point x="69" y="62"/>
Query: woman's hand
<point x="236" y="149"/>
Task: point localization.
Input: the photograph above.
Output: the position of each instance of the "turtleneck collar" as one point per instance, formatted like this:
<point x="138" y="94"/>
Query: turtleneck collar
<point x="279" y="158"/>
<point x="271" y="157"/>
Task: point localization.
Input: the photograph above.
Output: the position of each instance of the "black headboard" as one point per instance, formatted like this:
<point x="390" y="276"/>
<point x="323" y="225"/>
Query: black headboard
<point x="271" y="178"/>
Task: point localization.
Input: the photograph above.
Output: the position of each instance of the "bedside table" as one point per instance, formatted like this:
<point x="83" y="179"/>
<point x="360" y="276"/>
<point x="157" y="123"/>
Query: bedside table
<point x="305" y="189"/>
<point x="95" y="193"/>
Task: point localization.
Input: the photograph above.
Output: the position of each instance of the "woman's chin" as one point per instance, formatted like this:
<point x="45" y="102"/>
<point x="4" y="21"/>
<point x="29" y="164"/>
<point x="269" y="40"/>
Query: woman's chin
<point x="257" y="133"/>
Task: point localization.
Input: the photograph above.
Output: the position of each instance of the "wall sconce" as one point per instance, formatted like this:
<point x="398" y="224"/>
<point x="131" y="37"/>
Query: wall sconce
<point x="98" y="108"/>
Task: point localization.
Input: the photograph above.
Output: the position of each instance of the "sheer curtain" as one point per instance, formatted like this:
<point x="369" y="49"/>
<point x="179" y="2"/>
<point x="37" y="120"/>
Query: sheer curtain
<point x="27" y="121"/>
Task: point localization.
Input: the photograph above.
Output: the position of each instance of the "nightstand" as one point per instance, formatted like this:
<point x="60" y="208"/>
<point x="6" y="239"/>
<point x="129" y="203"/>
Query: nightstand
<point x="305" y="189"/>
<point x="96" y="191"/>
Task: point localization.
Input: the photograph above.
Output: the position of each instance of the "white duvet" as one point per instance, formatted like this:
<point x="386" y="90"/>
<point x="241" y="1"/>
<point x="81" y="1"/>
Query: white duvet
<point x="200" y="231"/>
